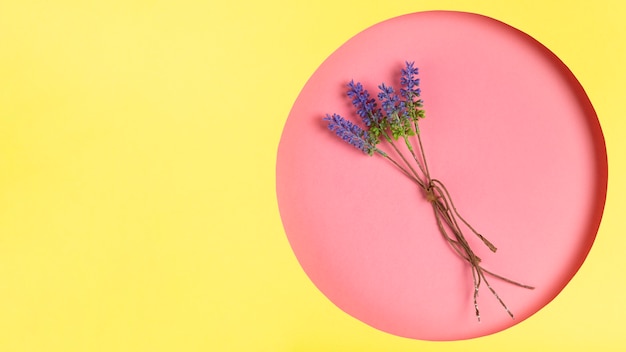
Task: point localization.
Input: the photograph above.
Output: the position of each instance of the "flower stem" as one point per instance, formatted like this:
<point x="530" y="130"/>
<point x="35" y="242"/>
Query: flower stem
<point x="419" y="140"/>
<point x="390" y="140"/>
<point x="445" y="214"/>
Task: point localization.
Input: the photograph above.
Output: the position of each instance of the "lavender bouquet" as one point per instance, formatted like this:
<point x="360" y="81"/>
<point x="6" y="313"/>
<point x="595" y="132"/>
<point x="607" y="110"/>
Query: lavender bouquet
<point x="397" y="121"/>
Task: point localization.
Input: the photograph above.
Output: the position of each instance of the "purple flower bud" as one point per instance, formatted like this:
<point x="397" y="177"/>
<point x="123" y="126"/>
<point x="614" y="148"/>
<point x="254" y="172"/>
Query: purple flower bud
<point x="410" y="84"/>
<point x="350" y="133"/>
<point x="364" y="104"/>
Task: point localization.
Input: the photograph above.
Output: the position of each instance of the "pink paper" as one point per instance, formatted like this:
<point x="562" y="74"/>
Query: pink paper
<point x="509" y="131"/>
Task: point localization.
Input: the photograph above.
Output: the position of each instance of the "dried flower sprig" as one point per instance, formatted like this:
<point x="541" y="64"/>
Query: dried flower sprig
<point x="398" y="119"/>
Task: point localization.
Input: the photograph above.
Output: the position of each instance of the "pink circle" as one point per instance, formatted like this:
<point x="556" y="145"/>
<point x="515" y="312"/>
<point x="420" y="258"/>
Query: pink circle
<point x="511" y="133"/>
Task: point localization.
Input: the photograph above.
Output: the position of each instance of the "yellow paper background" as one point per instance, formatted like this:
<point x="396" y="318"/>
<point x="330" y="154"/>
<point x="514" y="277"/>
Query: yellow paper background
<point x="137" y="150"/>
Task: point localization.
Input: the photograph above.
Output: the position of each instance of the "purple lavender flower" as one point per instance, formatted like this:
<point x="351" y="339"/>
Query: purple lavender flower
<point x="390" y="102"/>
<point x="350" y="133"/>
<point x="365" y="105"/>
<point x="409" y="82"/>
<point x="399" y="117"/>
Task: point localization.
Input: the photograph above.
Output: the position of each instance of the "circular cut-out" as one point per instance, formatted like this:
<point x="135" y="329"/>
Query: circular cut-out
<point x="508" y="129"/>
